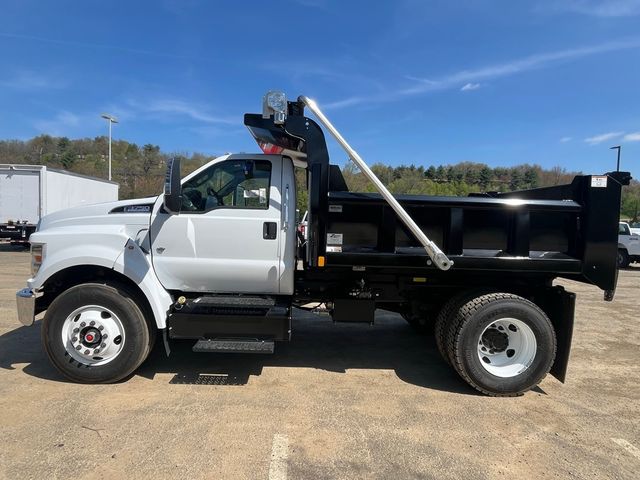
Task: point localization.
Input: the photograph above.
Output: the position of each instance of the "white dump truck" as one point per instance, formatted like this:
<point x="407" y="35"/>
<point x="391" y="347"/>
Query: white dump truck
<point x="217" y="259"/>
<point x="29" y="192"/>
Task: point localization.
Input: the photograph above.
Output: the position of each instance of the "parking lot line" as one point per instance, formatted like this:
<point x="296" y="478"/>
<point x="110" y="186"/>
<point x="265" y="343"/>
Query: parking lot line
<point x="279" y="453"/>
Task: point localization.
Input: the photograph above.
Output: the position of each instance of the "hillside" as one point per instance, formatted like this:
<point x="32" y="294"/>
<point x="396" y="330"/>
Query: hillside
<point x="140" y="170"/>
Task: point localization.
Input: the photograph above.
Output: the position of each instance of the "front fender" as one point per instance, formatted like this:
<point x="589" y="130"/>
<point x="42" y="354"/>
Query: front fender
<point x="73" y="246"/>
<point x="106" y="246"/>
<point x="136" y="265"/>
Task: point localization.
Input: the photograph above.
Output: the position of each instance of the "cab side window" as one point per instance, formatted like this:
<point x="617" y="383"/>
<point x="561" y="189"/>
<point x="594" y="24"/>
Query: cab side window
<point x="623" y="229"/>
<point x="229" y="184"/>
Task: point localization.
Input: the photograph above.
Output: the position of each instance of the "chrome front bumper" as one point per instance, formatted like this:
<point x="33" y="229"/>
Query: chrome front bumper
<point x="26" y="302"/>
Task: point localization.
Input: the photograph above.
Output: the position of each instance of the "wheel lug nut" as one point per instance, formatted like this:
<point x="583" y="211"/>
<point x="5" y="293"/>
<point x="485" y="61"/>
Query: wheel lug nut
<point x="76" y="330"/>
<point x="97" y="350"/>
<point x="74" y="339"/>
<point x="101" y="327"/>
<point x="105" y="336"/>
<point x="92" y="323"/>
<point x="103" y="345"/>
<point x="83" y="324"/>
<point x="78" y="347"/>
<point x="87" y="352"/>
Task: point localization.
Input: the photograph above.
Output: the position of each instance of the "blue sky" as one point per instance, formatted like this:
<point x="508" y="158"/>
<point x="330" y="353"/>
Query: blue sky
<point x="407" y="81"/>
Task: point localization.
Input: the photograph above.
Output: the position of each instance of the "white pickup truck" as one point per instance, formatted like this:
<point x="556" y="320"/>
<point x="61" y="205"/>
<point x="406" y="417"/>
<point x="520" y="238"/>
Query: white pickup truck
<point x="628" y="245"/>
<point x="217" y="259"/>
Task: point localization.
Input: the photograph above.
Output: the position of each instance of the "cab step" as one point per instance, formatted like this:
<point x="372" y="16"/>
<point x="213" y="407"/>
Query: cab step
<point x="246" y="301"/>
<point x="234" y="345"/>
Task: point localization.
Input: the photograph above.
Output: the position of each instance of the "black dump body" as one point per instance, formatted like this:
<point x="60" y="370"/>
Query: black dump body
<point x="566" y="231"/>
<point x="569" y="230"/>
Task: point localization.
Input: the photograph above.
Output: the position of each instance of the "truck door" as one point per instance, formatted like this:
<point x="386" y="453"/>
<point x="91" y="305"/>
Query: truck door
<point x="228" y="236"/>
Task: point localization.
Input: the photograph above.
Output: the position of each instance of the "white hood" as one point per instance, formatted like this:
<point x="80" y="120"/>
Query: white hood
<point x="125" y="212"/>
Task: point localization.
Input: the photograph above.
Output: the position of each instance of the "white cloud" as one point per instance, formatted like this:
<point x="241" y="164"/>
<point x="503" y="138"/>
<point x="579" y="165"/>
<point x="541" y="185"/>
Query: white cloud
<point x="59" y="125"/>
<point x="596" y="8"/>
<point x="632" y="137"/>
<point x="28" y="80"/>
<point x="603" y="137"/>
<point x="566" y="139"/>
<point x="525" y="64"/>
<point x="461" y="78"/>
<point x="175" y="107"/>
<point x="470" y="86"/>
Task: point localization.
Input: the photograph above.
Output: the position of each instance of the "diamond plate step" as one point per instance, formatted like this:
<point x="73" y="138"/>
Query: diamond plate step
<point x="234" y="345"/>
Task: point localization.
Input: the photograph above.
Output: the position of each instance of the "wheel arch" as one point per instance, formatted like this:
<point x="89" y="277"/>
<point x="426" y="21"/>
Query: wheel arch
<point x="66" y="278"/>
<point x="102" y="256"/>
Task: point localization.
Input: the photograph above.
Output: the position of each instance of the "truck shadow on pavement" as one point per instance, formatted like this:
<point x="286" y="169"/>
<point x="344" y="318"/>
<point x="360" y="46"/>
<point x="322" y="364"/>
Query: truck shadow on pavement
<point x="391" y="344"/>
<point x="22" y="346"/>
<point x="8" y="247"/>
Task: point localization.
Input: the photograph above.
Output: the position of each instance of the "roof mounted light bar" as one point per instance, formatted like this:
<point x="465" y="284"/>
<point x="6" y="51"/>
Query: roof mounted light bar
<point x="437" y="256"/>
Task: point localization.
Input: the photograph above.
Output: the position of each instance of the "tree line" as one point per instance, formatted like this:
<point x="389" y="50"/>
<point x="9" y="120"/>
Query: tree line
<point x="140" y="170"/>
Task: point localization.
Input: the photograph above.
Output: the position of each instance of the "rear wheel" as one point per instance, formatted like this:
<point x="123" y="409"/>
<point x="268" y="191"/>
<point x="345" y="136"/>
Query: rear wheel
<point x="499" y="343"/>
<point x="445" y="319"/>
<point x="623" y="258"/>
<point x="96" y="333"/>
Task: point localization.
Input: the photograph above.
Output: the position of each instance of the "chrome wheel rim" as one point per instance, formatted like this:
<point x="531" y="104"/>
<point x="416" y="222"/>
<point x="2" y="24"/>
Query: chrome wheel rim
<point x="507" y="347"/>
<point x="93" y="335"/>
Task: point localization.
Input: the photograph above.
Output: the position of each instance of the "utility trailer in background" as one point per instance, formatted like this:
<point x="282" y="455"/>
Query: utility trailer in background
<point x="217" y="259"/>
<point x="29" y="192"/>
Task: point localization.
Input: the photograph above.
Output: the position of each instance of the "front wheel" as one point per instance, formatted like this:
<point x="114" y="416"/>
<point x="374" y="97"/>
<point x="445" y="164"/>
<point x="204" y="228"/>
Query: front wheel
<point x="501" y="344"/>
<point x="96" y="333"/>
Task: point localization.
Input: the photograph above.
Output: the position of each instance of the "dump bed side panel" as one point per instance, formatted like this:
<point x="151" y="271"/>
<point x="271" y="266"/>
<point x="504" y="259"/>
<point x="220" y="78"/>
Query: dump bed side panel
<point x="569" y="230"/>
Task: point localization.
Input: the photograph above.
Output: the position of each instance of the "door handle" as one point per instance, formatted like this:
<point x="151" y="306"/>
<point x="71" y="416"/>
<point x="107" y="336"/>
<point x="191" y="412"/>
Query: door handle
<point x="269" y="230"/>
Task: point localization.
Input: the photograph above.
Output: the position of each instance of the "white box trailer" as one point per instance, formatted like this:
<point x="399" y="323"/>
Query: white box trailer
<point x="29" y="192"/>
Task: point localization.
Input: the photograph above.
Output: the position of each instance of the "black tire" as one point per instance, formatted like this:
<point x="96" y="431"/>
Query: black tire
<point x="465" y="332"/>
<point x="623" y="258"/>
<point x="138" y="337"/>
<point x="445" y="319"/>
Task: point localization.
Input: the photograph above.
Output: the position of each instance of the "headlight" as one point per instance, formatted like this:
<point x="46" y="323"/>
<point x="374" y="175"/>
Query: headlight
<point x="37" y="257"/>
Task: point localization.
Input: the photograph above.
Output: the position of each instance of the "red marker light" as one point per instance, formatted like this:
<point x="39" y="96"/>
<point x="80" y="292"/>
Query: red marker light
<point x="270" y="148"/>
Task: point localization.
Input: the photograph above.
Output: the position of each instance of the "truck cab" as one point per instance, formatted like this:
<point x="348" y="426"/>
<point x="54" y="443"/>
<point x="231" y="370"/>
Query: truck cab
<point x="628" y="245"/>
<point x="235" y="229"/>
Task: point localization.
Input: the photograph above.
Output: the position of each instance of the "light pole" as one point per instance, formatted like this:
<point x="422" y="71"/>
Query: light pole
<point x="617" y="147"/>
<point x="111" y="119"/>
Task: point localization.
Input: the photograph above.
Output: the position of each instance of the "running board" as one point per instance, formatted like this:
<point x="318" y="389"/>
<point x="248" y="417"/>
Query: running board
<point x="234" y="345"/>
<point x="241" y="301"/>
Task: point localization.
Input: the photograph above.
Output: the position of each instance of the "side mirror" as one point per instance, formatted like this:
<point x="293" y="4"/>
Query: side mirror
<point x="172" y="187"/>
